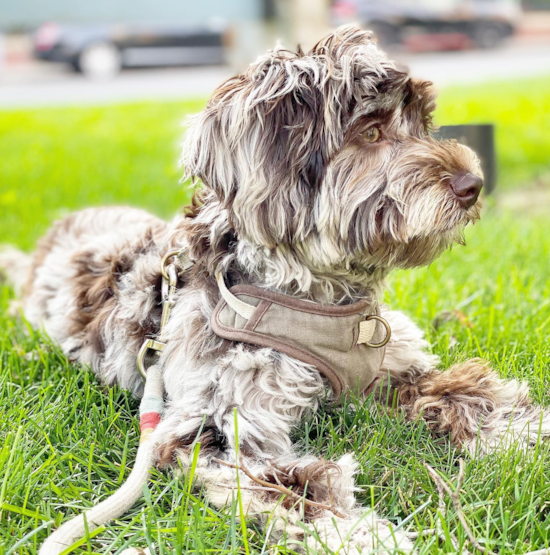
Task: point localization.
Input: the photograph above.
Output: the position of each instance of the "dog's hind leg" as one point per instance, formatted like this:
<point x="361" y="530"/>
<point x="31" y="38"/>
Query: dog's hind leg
<point x="468" y="402"/>
<point x="14" y="267"/>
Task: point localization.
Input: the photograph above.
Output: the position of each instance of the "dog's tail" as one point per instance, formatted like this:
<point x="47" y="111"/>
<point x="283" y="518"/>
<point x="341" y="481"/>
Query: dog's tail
<point x="15" y="266"/>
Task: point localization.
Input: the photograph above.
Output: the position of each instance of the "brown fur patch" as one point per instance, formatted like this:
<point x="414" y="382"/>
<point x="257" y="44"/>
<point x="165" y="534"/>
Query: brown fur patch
<point x="206" y="251"/>
<point x="95" y="289"/>
<point x="453" y="402"/>
<point x="211" y="442"/>
<point x="310" y="481"/>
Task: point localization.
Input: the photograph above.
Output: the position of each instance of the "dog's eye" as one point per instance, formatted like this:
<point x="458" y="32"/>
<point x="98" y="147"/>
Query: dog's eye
<point x="372" y="134"/>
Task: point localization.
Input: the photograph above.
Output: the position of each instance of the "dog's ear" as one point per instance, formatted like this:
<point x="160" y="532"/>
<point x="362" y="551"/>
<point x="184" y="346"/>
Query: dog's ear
<point x="265" y="139"/>
<point x="418" y="106"/>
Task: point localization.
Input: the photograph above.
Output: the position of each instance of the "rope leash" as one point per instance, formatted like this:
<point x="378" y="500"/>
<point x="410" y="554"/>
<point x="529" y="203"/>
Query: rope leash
<point x="151" y="409"/>
<point x="125" y="497"/>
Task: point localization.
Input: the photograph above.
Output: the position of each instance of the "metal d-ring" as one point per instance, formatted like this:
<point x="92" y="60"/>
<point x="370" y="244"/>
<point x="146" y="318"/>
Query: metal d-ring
<point x="388" y="332"/>
<point x="157" y="346"/>
<point x="165" y="260"/>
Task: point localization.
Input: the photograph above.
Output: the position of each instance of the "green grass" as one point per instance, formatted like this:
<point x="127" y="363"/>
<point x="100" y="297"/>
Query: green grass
<point x="66" y="442"/>
<point x="53" y="161"/>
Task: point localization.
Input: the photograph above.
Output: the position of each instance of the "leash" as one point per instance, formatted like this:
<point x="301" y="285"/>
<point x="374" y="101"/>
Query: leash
<point x="150" y="410"/>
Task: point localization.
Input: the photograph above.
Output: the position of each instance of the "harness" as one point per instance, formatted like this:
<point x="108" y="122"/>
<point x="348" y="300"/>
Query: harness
<point x="344" y="343"/>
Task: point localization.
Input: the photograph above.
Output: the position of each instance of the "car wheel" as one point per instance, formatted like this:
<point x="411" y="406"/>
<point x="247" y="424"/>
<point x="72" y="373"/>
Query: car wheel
<point x="100" y="60"/>
<point x="486" y="35"/>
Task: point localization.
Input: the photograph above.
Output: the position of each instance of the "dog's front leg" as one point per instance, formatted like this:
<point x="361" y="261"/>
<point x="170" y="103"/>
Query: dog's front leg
<point x="257" y="396"/>
<point x="468" y="402"/>
<point x="304" y="503"/>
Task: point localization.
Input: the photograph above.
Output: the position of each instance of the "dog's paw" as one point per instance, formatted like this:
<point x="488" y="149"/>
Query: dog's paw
<point x="136" y="551"/>
<point x="364" y="533"/>
<point x="518" y="428"/>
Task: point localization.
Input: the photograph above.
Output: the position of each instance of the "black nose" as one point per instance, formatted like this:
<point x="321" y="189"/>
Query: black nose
<point x="466" y="187"/>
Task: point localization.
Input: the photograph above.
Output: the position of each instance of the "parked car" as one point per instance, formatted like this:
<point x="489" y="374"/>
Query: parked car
<point x="102" y="50"/>
<point x="483" y="23"/>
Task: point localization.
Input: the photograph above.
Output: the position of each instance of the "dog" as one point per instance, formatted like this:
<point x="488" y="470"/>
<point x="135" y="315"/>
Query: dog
<point x="318" y="176"/>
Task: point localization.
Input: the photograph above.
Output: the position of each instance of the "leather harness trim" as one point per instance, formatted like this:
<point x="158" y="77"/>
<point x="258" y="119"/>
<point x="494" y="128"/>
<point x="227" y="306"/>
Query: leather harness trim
<point x="299" y="304"/>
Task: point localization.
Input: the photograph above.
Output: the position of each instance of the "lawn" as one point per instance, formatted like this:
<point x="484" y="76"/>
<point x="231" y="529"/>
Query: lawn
<point x="66" y="441"/>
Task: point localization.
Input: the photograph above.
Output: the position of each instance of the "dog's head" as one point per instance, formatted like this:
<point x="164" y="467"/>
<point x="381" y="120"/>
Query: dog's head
<point x="328" y="154"/>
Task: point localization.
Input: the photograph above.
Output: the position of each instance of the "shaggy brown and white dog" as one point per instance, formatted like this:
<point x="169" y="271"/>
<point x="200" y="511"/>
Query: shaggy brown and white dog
<point x="319" y="177"/>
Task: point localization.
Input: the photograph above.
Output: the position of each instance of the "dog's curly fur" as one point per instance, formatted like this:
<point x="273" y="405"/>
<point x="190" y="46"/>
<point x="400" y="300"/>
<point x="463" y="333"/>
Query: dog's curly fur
<point x="293" y="199"/>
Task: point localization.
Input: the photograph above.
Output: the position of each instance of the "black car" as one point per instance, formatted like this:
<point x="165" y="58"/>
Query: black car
<point x="482" y="23"/>
<point x="102" y="50"/>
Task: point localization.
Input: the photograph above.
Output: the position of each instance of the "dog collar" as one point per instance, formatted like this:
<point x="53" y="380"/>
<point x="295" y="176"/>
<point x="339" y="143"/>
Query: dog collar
<point x="345" y="343"/>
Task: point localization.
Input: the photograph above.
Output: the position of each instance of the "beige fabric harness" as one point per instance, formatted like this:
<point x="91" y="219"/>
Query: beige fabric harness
<point x="343" y="342"/>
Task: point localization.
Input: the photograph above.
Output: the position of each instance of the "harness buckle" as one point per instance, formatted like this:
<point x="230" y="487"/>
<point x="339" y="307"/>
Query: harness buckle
<point x="148" y="344"/>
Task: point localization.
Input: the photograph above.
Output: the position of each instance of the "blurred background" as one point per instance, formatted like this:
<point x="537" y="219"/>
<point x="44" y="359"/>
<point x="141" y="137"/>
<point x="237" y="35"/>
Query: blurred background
<point x="93" y="94"/>
<point x="67" y="51"/>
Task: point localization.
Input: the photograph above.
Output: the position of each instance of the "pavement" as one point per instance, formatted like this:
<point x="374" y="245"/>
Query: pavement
<point x="25" y="82"/>
<point x="46" y="84"/>
<point x="514" y="60"/>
